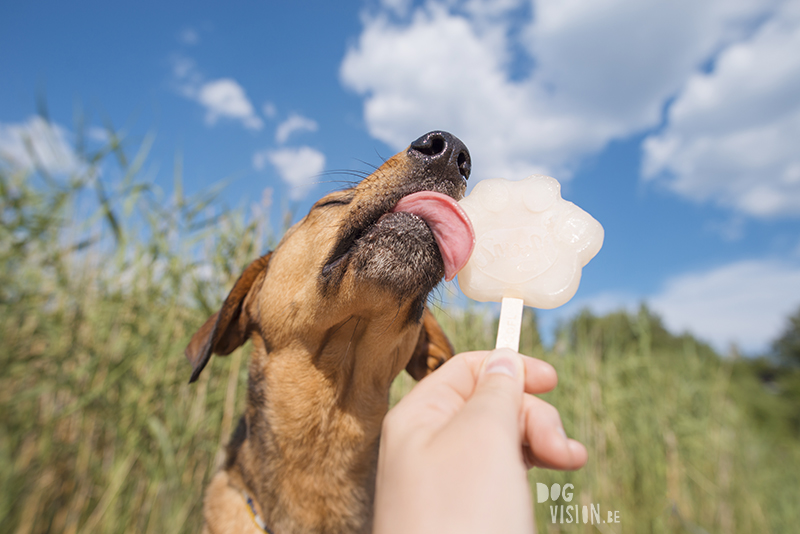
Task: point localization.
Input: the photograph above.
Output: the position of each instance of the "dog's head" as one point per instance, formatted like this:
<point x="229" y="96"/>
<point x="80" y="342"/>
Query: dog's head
<point x="369" y="253"/>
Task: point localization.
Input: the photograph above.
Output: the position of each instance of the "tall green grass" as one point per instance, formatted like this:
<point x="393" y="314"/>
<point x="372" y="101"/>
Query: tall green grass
<point x="100" y="431"/>
<point x="670" y="446"/>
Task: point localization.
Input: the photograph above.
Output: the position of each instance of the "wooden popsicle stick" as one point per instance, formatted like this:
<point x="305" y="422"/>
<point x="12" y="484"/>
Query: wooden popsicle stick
<point x="510" y="324"/>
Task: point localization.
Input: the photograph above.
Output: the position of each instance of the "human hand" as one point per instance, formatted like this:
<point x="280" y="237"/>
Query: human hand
<point x="455" y="450"/>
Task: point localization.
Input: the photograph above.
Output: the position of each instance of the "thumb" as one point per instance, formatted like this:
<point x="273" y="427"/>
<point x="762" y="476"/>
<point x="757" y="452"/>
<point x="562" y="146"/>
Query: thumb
<point x="503" y="362"/>
<point x="500" y="387"/>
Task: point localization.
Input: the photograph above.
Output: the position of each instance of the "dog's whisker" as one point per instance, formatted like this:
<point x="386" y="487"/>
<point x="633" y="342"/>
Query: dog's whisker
<point x="394" y="319"/>
<point x="352" y="335"/>
<point x="437" y="304"/>
<point x="347" y="172"/>
<point x="372" y="165"/>
<point x="341" y="325"/>
<point x="379" y="156"/>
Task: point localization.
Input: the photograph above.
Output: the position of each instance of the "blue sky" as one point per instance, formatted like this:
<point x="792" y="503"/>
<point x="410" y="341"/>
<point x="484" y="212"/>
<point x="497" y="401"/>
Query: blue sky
<point x="675" y="124"/>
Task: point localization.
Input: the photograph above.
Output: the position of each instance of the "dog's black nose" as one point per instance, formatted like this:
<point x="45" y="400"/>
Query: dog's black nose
<point x="442" y="151"/>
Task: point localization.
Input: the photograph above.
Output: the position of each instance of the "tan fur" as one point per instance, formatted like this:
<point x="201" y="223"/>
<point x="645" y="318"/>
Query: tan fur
<point x="327" y="344"/>
<point x="225" y="508"/>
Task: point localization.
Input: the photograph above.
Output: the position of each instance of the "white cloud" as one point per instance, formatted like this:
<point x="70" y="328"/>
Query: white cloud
<point x="226" y="98"/>
<point x="98" y="134"/>
<point x="744" y="303"/>
<point x="189" y="36"/>
<point x="398" y="7"/>
<point x="186" y="77"/>
<point x="730" y="229"/>
<point x="269" y="110"/>
<point x="221" y="98"/>
<point x="295" y="123"/>
<point x="617" y="61"/>
<point x="38" y="144"/>
<point x="732" y="134"/>
<point x="298" y="167"/>
<point x="601" y="70"/>
<point x="438" y="73"/>
<point x="260" y="159"/>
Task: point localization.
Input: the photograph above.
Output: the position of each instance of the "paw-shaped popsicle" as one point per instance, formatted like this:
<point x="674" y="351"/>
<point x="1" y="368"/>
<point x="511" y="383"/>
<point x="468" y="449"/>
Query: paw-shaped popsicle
<point x="530" y="243"/>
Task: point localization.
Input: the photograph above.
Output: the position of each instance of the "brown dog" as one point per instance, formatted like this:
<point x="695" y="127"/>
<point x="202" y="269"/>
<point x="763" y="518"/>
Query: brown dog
<point x="335" y="312"/>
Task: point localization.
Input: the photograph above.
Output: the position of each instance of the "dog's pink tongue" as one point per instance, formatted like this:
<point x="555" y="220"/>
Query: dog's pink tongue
<point x="450" y="225"/>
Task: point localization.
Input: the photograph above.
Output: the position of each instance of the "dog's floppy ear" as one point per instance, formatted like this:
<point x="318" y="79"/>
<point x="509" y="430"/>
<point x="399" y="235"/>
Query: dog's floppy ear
<point x="227" y="329"/>
<point x="433" y="348"/>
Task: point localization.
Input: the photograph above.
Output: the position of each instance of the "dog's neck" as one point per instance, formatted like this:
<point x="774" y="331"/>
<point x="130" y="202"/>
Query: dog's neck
<point x="320" y="403"/>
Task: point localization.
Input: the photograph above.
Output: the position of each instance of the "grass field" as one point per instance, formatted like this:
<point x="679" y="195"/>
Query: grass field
<point x="100" y="431"/>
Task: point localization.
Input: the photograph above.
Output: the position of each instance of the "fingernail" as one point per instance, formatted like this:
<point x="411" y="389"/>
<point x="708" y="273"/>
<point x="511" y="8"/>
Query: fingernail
<point x="561" y="431"/>
<point x="502" y="361"/>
